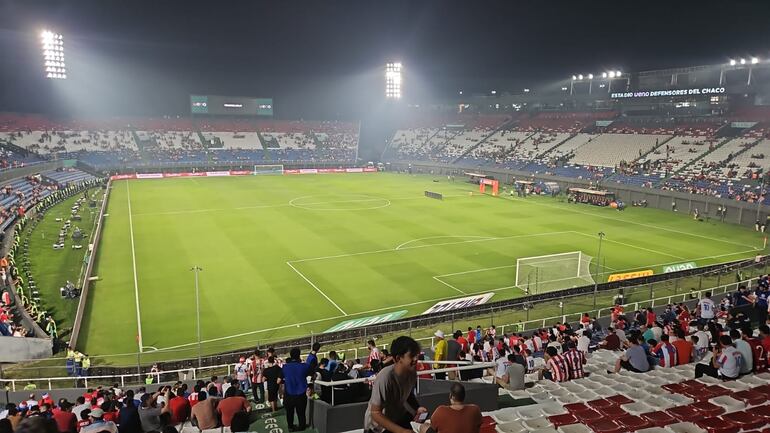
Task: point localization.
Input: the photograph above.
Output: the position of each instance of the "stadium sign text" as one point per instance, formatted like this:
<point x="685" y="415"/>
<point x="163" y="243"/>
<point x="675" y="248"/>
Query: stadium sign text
<point x="454" y="304"/>
<point x="629" y="275"/>
<point x="366" y="321"/>
<point x="679" y="92"/>
<point x="679" y="267"/>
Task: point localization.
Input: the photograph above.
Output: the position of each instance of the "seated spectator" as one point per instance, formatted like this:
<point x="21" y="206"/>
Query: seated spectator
<point x="204" y="414"/>
<point x="179" y="407"/>
<point x="230" y="405"/>
<point x="634" y="359"/>
<point x="725" y="361"/>
<point x="665" y="352"/>
<point x="458" y="417"/>
<point x="743" y="346"/>
<point x="149" y="413"/>
<point x="575" y="361"/>
<point x="513" y="379"/>
<point x="685" y="351"/>
<point x="611" y="341"/>
<point x="556" y="368"/>
<point x="65" y="419"/>
<point x="98" y="424"/>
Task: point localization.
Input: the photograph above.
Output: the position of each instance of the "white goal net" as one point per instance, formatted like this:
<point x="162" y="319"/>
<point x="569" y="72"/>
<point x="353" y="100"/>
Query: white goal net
<point x="553" y="272"/>
<point x="268" y="169"/>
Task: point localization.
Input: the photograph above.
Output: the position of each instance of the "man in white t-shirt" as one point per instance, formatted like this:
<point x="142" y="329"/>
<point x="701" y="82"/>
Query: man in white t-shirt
<point x="706" y="308"/>
<point x="583" y="341"/>
<point x="703" y="337"/>
<point x="726" y="361"/>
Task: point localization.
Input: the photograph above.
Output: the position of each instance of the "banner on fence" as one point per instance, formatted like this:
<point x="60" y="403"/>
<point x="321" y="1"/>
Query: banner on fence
<point x="365" y="321"/>
<point x="679" y="267"/>
<point x="453" y="304"/>
<point x="240" y="173"/>
<point x="630" y="275"/>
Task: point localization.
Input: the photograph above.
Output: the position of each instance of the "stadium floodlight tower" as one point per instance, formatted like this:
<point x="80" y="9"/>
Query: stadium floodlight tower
<point x="393" y="80"/>
<point x="52" y="46"/>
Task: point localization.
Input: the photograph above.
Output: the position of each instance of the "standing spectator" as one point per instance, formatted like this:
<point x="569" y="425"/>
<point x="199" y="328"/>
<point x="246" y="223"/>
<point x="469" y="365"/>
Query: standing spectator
<point x="204" y="413"/>
<point x="454" y="348"/>
<point x="128" y="418"/>
<point x="393" y="405"/>
<point x="295" y="374"/>
<point x="464" y="344"/>
<point x="725" y="361"/>
<point x="149" y="413"/>
<point x="257" y="379"/>
<point x="374" y="353"/>
<point x="273" y="376"/>
<point x="458" y="417"/>
<point x="440" y="353"/>
<point x="242" y="373"/>
<point x="706" y="309"/>
<point x="232" y="404"/>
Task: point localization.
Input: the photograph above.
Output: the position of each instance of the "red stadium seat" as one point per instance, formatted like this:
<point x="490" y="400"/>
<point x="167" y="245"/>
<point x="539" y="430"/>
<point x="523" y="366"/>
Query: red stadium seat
<point x="685" y="413"/>
<point x="576" y="407"/>
<point x="601" y="403"/>
<point x="565" y="419"/>
<point x="708" y="409"/>
<point x="750" y="397"/>
<point x="718" y="390"/>
<point x="675" y="388"/>
<point x="620" y="399"/>
<point x="660" y="418"/>
<point x="606" y="426"/>
<point x="746" y="420"/>
<point x="718" y="425"/>
<point x="587" y="416"/>
<point x="763" y="411"/>
<point x="612" y="411"/>
<point x="634" y="423"/>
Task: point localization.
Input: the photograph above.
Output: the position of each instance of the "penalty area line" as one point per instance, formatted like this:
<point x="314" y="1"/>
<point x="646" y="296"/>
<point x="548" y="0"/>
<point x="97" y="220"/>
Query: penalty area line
<point x="317" y="289"/>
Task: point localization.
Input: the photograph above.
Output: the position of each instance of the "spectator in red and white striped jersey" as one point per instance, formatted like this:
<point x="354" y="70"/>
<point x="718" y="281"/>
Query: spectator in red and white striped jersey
<point x="665" y="352"/>
<point x="575" y="361"/>
<point x="556" y="368"/>
<point x="374" y="353"/>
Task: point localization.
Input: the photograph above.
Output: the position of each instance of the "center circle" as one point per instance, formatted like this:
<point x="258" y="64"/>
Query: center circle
<point x="336" y="202"/>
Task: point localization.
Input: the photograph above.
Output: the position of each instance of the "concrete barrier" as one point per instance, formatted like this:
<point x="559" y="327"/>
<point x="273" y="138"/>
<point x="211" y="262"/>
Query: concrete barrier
<point x="16" y="349"/>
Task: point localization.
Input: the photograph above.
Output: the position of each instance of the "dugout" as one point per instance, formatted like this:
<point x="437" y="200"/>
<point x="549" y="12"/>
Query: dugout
<point x="591" y="196"/>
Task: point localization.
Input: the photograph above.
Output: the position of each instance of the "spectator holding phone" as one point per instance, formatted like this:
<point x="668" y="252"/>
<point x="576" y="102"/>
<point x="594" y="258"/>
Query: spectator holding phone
<point x="393" y="405"/>
<point x="458" y="417"/>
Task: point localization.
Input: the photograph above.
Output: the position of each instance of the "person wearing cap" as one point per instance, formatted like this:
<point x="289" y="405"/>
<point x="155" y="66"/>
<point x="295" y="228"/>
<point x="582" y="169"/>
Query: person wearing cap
<point x="242" y="373"/>
<point x="98" y="424"/>
<point x="149" y="413"/>
<point x="440" y="352"/>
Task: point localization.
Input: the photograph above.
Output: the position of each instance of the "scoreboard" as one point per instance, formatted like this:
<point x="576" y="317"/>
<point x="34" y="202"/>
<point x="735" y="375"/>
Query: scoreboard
<point x="231" y="105"/>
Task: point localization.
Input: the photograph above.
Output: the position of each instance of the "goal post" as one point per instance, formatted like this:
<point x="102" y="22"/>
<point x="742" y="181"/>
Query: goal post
<point x="553" y="272"/>
<point x="276" y="169"/>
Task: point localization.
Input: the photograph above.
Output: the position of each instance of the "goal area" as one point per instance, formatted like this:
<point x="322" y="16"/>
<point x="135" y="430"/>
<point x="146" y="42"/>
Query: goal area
<point x="553" y="272"/>
<point x="268" y="169"/>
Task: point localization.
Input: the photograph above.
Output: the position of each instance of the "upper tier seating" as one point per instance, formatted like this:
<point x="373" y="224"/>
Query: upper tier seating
<point x="610" y="149"/>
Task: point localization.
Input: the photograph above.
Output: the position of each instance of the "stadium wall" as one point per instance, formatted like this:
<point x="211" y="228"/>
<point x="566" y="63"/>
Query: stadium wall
<point x="22" y="349"/>
<point x="738" y="212"/>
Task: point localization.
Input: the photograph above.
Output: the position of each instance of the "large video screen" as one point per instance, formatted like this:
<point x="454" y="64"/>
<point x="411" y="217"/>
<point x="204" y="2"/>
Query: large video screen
<point x="232" y="105"/>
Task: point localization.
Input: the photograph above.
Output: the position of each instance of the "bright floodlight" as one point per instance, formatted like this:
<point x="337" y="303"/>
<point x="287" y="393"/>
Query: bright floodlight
<point x="743" y="61"/>
<point x="393" y="80"/>
<point x="732" y="62"/>
<point x="754" y="60"/>
<point x="52" y="46"/>
<point x="604" y="75"/>
<point x="618" y="74"/>
<point x="574" y="77"/>
<point x="590" y="76"/>
<point x="494" y="92"/>
<point x="526" y="90"/>
<point x="580" y="77"/>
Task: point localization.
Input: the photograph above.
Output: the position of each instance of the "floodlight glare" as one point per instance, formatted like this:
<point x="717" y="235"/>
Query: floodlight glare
<point x="494" y="92"/>
<point x="618" y="74"/>
<point x="393" y="80"/>
<point x="754" y="60"/>
<point x="52" y="45"/>
<point x="732" y="62"/>
<point x="580" y="77"/>
<point x="743" y="61"/>
<point x="590" y="76"/>
<point x="564" y="89"/>
<point x="526" y="90"/>
<point x="604" y="75"/>
<point x="574" y="77"/>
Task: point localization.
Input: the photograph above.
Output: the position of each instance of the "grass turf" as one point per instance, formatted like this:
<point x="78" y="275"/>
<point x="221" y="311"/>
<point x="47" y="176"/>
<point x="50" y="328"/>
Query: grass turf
<point x="285" y="256"/>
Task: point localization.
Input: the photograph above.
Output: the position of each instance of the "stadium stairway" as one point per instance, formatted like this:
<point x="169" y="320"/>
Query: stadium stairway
<point x="573" y="135"/>
<point x="694" y="161"/>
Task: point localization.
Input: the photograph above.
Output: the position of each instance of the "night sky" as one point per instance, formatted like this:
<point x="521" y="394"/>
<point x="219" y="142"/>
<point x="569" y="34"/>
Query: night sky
<point x="324" y="59"/>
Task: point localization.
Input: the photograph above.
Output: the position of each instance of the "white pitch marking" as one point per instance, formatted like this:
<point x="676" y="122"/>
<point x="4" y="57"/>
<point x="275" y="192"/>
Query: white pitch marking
<point x="448" y="285"/>
<point x="635" y="246"/>
<point x="317" y="289"/>
<point x="133" y="261"/>
<point x="440" y="237"/>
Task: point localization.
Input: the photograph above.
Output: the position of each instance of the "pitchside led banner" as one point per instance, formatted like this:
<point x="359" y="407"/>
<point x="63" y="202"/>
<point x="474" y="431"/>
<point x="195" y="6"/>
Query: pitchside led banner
<point x="366" y="321"/>
<point x="454" y="304"/>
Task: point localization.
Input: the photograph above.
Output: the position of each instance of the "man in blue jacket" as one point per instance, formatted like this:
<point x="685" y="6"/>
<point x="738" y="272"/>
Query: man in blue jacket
<point x="295" y="373"/>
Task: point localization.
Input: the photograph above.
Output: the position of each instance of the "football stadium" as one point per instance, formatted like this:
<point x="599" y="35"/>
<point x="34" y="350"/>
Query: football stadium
<point x="341" y="217"/>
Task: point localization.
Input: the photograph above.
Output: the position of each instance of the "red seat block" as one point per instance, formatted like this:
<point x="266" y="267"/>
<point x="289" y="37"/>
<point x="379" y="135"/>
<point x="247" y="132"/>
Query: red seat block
<point x="750" y="397"/>
<point x="718" y="390"/>
<point x="685" y="413"/>
<point x="764" y="389"/>
<point x="620" y="399"/>
<point x="659" y="418"/>
<point x="692" y="383"/>
<point x="587" y="416"/>
<point x="763" y="411"/>
<point x="606" y="426"/>
<point x="634" y="423"/>
<point x="565" y="419"/>
<point x="600" y="403"/>
<point x="718" y="425"/>
<point x="745" y="420"/>
<point x="701" y="394"/>
<point x="576" y="407"/>
<point x="675" y="388"/>
<point x="612" y="411"/>
<point x="706" y="408"/>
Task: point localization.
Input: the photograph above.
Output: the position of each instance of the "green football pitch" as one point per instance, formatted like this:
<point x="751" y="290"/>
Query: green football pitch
<point x="284" y="256"/>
